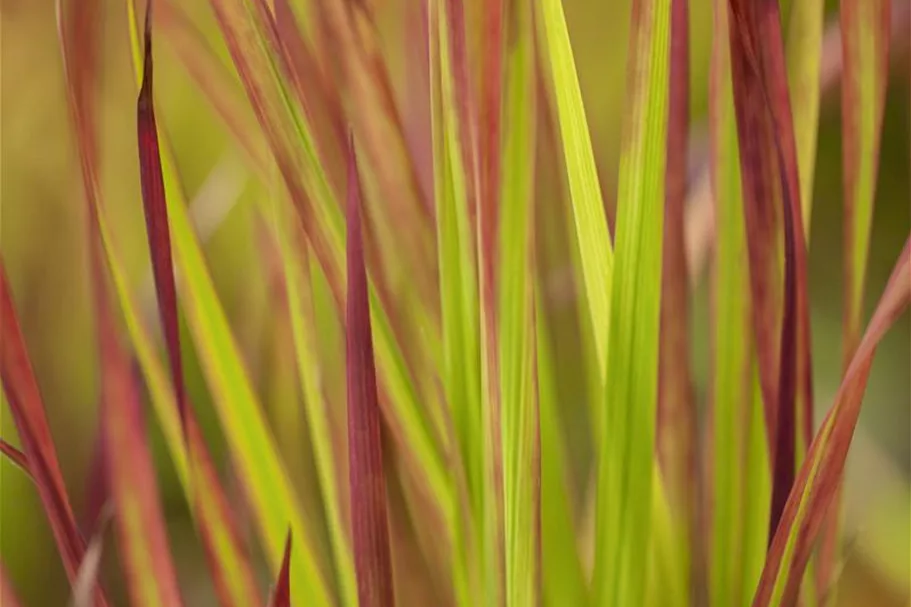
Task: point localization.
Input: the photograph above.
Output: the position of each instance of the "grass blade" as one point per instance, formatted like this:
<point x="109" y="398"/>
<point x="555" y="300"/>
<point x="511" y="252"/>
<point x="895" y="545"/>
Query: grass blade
<point x="253" y="449"/>
<point x="156" y="217"/>
<point x="16" y="457"/>
<point x="563" y="581"/>
<point x="520" y="439"/>
<point x="626" y="461"/>
<point x="150" y="574"/>
<point x="677" y="431"/>
<point x="233" y="579"/>
<point x="768" y="150"/>
<point x="467" y="351"/>
<point x="865" y="54"/>
<point x="281" y="593"/>
<point x="740" y="471"/>
<point x="822" y="470"/>
<point x="804" y="57"/>
<point x="595" y="248"/>
<point x="297" y="280"/>
<point x="24" y="398"/>
<point x="369" y="523"/>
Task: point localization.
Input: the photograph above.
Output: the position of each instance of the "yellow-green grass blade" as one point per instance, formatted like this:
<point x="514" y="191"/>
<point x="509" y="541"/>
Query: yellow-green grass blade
<point x="626" y="461"/>
<point x="207" y="500"/>
<point x="594" y="243"/>
<point x="563" y="580"/>
<point x="460" y="313"/>
<point x="740" y="470"/>
<point x="296" y="274"/>
<point x="804" y="56"/>
<point x="252" y="447"/>
<point x="520" y="438"/>
<point x="260" y="60"/>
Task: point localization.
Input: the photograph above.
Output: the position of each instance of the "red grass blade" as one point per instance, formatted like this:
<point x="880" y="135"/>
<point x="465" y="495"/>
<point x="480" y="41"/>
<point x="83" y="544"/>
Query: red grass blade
<point x="7" y="594"/>
<point x="156" y="216"/>
<point x="16" y="457"/>
<point x="281" y="594"/>
<point x="676" y="429"/>
<point x="822" y="470"/>
<point x="151" y="578"/>
<point x="769" y="160"/>
<point x="27" y="409"/>
<point x="211" y="512"/>
<point x="367" y="480"/>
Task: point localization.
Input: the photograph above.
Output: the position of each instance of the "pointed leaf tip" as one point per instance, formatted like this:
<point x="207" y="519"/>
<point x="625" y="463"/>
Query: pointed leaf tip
<point x="367" y="482"/>
<point x="281" y="594"/>
<point x="156" y="218"/>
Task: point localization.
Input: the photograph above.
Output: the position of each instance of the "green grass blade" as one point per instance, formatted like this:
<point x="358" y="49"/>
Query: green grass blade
<point x="252" y="447"/>
<point x="520" y="439"/>
<point x="595" y="250"/>
<point x="740" y="494"/>
<point x="460" y="313"/>
<point x="563" y="580"/>
<point x="804" y="55"/>
<point x="296" y="274"/>
<point x="626" y="461"/>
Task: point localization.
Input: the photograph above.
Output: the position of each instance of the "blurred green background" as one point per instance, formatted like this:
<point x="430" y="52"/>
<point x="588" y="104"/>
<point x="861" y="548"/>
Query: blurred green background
<point x="42" y="244"/>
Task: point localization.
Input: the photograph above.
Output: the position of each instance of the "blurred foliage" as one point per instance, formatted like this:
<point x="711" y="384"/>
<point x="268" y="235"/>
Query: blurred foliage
<point x="41" y="240"/>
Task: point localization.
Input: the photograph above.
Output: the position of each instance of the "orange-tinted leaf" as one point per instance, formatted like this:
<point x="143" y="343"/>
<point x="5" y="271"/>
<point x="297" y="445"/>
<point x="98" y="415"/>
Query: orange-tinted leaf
<point x="27" y="409"/>
<point x="823" y="467"/>
<point x="281" y="593"/>
<point x="367" y="479"/>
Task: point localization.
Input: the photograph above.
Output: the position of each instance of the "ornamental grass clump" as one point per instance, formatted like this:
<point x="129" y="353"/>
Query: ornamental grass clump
<point x="415" y="452"/>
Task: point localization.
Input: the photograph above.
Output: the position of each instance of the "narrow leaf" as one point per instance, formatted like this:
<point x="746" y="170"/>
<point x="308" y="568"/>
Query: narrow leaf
<point x="231" y="572"/>
<point x="804" y="59"/>
<point x="865" y="54"/>
<point x="24" y="398"/>
<point x="367" y="479"/>
<point x="626" y="461"/>
<point x="823" y="467"/>
<point x="769" y="160"/>
<point x="595" y="248"/>
<point x="156" y="216"/>
<point x="468" y="352"/>
<point x="253" y="450"/>
<point x="520" y="427"/>
<point x="676" y="431"/>
<point x="739" y="466"/>
<point x="281" y="593"/>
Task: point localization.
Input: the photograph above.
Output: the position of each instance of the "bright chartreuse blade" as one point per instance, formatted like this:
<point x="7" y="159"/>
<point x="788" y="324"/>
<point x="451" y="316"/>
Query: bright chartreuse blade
<point x="520" y="434"/>
<point x="740" y="492"/>
<point x="595" y="251"/>
<point x="460" y="313"/>
<point x="252" y="447"/>
<point x="626" y="461"/>
<point x="804" y="52"/>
